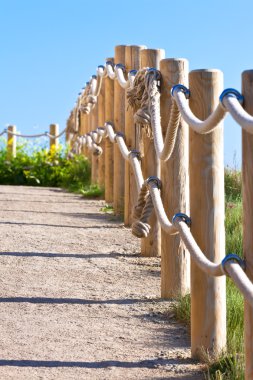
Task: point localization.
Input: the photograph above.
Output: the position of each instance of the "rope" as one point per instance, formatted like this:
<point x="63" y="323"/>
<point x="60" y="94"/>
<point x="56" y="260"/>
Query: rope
<point x="235" y="109"/>
<point x="119" y="71"/>
<point x="110" y="70"/>
<point x="196" y="124"/>
<point x="163" y="149"/>
<point x="33" y="136"/>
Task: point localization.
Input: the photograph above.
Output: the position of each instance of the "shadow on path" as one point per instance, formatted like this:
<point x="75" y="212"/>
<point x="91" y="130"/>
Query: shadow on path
<point x="150" y="363"/>
<point x="112" y="225"/>
<point x="74" y="301"/>
<point x="108" y="255"/>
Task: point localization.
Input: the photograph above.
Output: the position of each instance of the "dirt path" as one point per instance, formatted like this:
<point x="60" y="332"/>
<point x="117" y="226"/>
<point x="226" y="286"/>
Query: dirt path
<point x="76" y="301"/>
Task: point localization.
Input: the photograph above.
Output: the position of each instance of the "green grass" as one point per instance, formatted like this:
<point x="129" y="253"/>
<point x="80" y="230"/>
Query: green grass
<point x="230" y="366"/>
<point x="108" y="209"/>
<point x="43" y="167"/>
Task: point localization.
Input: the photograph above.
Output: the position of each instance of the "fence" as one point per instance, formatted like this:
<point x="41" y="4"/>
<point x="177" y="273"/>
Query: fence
<point x="12" y="135"/>
<point x="151" y="150"/>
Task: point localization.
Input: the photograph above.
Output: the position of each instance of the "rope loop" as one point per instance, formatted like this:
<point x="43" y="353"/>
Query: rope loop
<point x="182" y="88"/>
<point x="118" y="134"/>
<point x="135" y="153"/>
<point x="232" y="92"/>
<point x="121" y="66"/>
<point x="182" y="217"/>
<point x="155" y="180"/>
<point x="232" y="257"/>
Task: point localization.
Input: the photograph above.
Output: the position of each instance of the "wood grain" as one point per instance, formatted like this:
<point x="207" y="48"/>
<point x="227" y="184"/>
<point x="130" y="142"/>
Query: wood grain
<point x="247" y="186"/>
<point x="101" y="121"/>
<point x="119" y="124"/>
<point x="175" y="260"/>
<point x="54" y="131"/>
<point x="208" y="298"/>
<point x="151" y="246"/>
<point x="132" y="62"/>
<point x="109" y="148"/>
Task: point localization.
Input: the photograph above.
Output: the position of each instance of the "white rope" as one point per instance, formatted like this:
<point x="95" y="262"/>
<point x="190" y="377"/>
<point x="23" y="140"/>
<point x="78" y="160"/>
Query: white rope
<point x="134" y="160"/>
<point x="35" y="135"/>
<point x="122" y="146"/>
<point x="110" y="71"/>
<point x="196" y="124"/>
<point x="240" y="279"/>
<point x="166" y="225"/>
<point x="110" y="131"/>
<point x="243" y="118"/>
<point x="119" y="70"/>
<point x="200" y="259"/>
<point x="101" y="71"/>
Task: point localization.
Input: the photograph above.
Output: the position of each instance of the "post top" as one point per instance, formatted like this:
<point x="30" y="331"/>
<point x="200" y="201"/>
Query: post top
<point x="206" y="71"/>
<point x="175" y="60"/>
<point x="247" y="72"/>
<point x="137" y="46"/>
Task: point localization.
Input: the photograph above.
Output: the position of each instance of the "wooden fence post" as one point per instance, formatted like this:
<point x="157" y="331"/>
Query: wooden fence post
<point x="11" y="142"/>
<point x="54" y="131"/>
<point x="119" y="124"/>
<point x="84" y="130"/>
<point x="101" y="121"/>
<point x="133" y="62"/>
<point x="109" y="149"/>
<point x="208" y="294"/>
<point x="94" y="158"/>
<point x="151" y="246"/>
<point x="175" y="260"/>
<point x="247" y="186"/>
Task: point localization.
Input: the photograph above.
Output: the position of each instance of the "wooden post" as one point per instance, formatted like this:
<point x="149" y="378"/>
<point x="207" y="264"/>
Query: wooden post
<point x="11" y="142"/>
<point x="109" y="148"/>
<point x="208" y="294"/>
<point x="94" y="158"/>
<point x="84" y="130"/>
<point x="247" y="186"/>
<point x="175" y="260"/>
<point x="54" y="131"/>
<point x="119" y="124"/>
<point x="101" y="122"/>
<point x="151" y="246"/>
<point x="132" y="62"/>
<point x="89" y="129"/>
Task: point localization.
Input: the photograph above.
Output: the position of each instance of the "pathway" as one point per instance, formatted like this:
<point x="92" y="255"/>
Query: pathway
<point x="76" y="300"/>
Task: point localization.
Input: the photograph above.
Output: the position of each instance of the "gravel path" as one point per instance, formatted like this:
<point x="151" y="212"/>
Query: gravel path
<point x="77" y="302"/>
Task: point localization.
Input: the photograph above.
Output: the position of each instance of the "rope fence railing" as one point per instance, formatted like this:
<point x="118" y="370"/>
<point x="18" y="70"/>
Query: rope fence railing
<point x="161" y="153"/>
<point x="13" y="134"/>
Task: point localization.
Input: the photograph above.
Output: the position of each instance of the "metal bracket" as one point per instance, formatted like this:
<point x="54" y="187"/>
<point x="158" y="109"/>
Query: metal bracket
<point x="109" y="63"/>
<point x="185" y="218"/>
<point x="155" y="179"/>
<point x="234" y="257"/>
<point x="156" y="72"/>
<point x="133" y="72"/>
<point x="182" y="88"/>
<point x="121" y="66"/>
<point x="231" y="92"/>
<point x="135" y="153"/>
<point x="120" y="134"/>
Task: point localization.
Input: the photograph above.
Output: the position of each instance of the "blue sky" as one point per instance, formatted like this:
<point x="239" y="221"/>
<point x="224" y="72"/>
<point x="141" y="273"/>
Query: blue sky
<point x="50" y="48"/>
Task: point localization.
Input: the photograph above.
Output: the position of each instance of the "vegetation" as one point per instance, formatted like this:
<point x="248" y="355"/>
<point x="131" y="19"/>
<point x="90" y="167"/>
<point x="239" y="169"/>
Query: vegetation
<point x="230" y="366"/>
<point x="43" y="167"/>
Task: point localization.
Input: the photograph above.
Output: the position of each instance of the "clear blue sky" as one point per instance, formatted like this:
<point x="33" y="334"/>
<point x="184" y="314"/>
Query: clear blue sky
<point x="50" y="48"/>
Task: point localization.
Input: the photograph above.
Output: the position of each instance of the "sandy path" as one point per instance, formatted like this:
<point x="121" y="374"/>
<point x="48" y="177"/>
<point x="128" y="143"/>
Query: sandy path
<point x="76" y="301"/>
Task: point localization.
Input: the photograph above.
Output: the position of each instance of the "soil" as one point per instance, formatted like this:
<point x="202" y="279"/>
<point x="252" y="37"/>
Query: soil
<point x="77" y="301"/>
